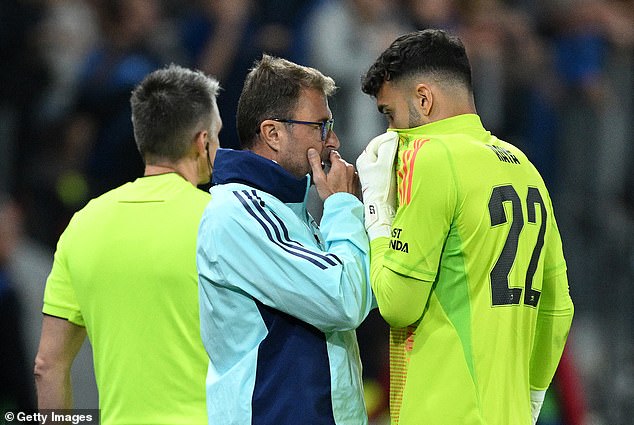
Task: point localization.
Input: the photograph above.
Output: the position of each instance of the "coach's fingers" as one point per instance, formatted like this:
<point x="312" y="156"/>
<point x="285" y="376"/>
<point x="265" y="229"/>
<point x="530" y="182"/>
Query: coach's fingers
<point x="337" y="163"/>
<point x="341" y="166"/>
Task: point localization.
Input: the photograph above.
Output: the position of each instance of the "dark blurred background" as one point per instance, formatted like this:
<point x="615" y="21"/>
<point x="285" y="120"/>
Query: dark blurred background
<point x="554" y="77"/>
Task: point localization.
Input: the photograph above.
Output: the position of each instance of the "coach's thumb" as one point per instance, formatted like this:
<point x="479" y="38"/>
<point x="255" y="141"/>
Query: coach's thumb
<point x="315" y="163"/>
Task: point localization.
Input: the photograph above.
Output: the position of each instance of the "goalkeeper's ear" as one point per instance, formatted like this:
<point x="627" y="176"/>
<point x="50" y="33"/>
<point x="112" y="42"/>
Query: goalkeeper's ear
<point x="426" y="96"/>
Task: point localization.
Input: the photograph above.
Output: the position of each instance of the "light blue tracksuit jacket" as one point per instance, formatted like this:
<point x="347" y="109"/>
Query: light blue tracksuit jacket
<point x="280" y="299"/>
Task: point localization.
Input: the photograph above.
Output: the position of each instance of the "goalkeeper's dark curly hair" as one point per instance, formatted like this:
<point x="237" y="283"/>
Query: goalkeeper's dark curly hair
<point x="429" y="51"/>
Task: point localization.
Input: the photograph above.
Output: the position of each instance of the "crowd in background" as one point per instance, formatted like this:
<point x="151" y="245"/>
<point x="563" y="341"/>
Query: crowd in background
<point x="554" y="77"/>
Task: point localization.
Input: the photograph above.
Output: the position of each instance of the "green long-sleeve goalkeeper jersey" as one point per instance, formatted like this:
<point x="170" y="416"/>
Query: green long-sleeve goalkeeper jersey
<point x="475" y="261"/>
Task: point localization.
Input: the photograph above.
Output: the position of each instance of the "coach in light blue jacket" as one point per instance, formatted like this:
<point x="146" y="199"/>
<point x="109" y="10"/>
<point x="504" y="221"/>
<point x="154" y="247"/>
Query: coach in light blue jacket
<point x="279" y="298"/>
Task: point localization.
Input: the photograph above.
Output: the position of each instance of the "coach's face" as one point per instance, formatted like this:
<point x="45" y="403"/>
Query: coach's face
<point x="296" y="139"/>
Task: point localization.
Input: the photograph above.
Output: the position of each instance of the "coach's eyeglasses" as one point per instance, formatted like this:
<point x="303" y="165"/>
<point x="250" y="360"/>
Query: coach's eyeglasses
<point x="326" y="125"/>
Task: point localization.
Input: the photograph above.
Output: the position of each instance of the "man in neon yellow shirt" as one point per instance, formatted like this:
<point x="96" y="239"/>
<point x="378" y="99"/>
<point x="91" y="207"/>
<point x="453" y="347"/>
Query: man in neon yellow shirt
<point x="125" y="268"/>
<point x="466" y="259"/>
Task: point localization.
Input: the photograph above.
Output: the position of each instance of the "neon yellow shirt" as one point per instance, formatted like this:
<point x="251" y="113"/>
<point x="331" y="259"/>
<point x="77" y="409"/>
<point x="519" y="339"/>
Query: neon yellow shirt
<point x="125" y="268"/>
<point x="475" y="263"/>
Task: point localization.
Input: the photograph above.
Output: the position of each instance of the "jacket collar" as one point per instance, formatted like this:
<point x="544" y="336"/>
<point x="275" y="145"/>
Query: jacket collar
<point x="246" y="167"/>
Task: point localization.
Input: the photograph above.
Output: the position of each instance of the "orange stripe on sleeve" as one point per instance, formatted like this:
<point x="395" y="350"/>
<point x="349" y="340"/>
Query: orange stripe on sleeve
<point x="406" y="174"/>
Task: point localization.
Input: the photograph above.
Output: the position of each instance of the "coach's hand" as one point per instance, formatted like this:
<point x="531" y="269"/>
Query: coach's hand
<point x="342" y="176"/>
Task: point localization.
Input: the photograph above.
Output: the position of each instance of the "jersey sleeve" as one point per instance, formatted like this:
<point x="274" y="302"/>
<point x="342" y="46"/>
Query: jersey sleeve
<point x="401" y="299"/>
<point x="404" y="267"/>
<point x="554" y="316"/>
<point x="427" y="198"/>
<point x="245" y="246"/>
<point x="59" y="296"/>
<point x="427" y="201"/>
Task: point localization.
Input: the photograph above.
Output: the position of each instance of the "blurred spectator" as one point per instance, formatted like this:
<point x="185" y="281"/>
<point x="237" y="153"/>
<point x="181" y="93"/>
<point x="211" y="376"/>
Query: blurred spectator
<point x="512" y="91"/>
<point x="24" y="266"/>
<point x="23" y="77"/>
<point x="102" y="109"/>
<point x="216" y="35"/>
<point x="580" y="57"/>
<point x="443" y="14"/>
<point x="525" y="113"/>
<point x="593" y="61"/>
<point x="589" y="39"/>
<point x="92" y="144"/>
<point x="63" y="37"/>
<point x="224" y="37"/>
<point x="16" y="387"/>
<point x="345" y="37"/>
<point x="67" y="31"/>
<point x="530" y="94"/>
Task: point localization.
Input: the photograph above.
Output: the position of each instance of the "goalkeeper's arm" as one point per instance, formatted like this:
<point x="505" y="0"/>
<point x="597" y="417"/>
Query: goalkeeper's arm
<point x="554" y="318"/>
<point x="401" y="299"/>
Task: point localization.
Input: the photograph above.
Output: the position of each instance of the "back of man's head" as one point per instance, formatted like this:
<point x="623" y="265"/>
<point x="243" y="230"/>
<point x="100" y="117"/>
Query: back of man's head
<point x="430" y="52"/>
<point x="271" y="90"/>
<point x="168" y="108"/>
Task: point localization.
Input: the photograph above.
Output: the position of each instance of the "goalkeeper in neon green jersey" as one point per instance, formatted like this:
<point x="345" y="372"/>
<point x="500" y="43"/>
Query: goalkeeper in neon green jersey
<point x="466" y="258"/>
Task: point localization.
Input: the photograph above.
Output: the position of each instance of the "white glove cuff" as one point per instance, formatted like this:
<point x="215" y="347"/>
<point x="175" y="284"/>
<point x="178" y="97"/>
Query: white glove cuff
<point x="378" y="220"/>
<point x="538" y="395"/>
<point x="537" y="399"/>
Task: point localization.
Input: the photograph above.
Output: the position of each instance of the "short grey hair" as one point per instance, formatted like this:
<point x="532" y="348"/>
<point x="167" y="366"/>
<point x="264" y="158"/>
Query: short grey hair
<point x="169" y="107"/>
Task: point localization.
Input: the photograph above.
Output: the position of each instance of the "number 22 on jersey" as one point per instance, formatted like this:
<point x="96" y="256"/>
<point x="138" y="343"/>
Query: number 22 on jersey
<point x="501" y="293"/>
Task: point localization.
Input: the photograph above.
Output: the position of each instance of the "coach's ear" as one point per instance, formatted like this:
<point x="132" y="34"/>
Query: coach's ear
<point x="271" y="134"/>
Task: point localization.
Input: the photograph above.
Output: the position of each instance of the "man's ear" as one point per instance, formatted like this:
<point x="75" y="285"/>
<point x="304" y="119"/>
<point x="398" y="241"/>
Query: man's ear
<point x="201" y="142"/>
<point x="270" y="133"/>
<point x="426" y="98"/>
